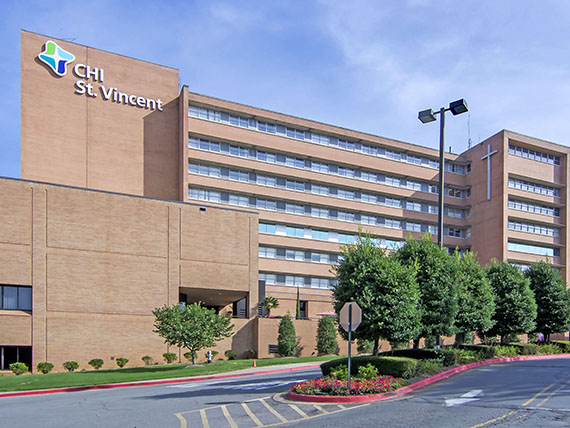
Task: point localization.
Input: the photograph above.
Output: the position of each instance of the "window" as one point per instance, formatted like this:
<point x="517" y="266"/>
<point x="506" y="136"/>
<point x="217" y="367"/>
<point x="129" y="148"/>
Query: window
<point x="303" y="312"/>
<point x="533" y="249"/>
<point x="14" y="297"/>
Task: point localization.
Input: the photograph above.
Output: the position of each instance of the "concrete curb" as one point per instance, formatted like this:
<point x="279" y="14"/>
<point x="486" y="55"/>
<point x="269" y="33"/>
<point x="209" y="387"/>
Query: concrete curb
<point x="417" y="385"/>
<point x="154" y="382"/>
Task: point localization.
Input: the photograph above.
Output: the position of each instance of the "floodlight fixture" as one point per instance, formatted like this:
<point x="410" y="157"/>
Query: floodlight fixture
<point x="458" y="107"/>
<point x="426" y="116"/>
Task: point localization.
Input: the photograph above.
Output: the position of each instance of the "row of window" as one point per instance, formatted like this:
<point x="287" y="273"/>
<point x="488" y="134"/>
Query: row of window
<point x="534" y="208"/>
<point x="528" y="186"/>
<point x="326" y="168"/>
<point x="310" y="210"/>
<point x="14" y="297"/>
<point x="537" y="229"/>
<point x="298" y="255"/>
<point x="534" y="155"/>
<point x="320" y="189"/>
<point x="296" y="280"/>
<point x="533" y="249"/>
<point x="325" y="140"/>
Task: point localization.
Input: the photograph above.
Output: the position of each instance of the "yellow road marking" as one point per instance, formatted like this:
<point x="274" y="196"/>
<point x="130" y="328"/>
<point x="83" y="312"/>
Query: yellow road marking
<point x="272" y="410"/>
<point x="549" y="396"/>
<point x="205" y="423"/>
<point x="251" y="415"/>
<point x="535" y="396"/>
<point x="493" y="420"/>
<point x="228" y="417"/>
<point x="182" y="420"/>
<point x="303" y="414"/>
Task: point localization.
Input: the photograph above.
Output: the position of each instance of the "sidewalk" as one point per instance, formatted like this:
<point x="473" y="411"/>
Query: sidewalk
<point x="252" y="371"/>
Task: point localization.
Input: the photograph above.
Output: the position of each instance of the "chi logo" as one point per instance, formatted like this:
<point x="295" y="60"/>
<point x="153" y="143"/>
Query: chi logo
<point x="56" y="58"/>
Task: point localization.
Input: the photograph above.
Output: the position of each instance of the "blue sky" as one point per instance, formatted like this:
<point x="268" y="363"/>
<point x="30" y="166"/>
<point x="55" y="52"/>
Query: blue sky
<point x="364" y="65"/>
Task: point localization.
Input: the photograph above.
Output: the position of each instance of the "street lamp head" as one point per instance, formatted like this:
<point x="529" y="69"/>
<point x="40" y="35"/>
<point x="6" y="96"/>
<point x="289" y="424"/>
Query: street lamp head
<point x="458" y="107"/>
<point x="426" y="116"/>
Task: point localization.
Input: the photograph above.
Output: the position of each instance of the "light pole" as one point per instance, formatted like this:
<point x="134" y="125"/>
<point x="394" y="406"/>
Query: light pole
<point x="425" y="116"/>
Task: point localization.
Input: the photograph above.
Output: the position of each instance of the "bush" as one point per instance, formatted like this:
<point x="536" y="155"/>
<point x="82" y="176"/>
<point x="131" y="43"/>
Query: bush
<point x="326" y="336"/>
<point x="485" y="351"/>
<point x="169" y="357"/>
<point x="287" y="338"/>
<point x="230" y="354"/>
<point x="70" y="366"/>
<point x="393" y="366"/>
<point x="466" y="356"/>
<point x="96" y="363"/>
<point x="147" y="360"/>
<point x="562" y="344"/>
<point x="525" y="348"/>
<point x="429" y="366"/>
<point x="367" y="372"/>
<point x="122" y="362"/>
<point x="399" y="345"/>
<point x="250" y="353"/>
<point x="341" y="373"/>
<point x="18" y="368"/>
<point x="188" y="355"/>
<point x="45" y="367"/>
<point x="506" y="351"/>
<point x="364" y="346"/>
<point x="447" y="357"/>
<point x="549" y="348"/>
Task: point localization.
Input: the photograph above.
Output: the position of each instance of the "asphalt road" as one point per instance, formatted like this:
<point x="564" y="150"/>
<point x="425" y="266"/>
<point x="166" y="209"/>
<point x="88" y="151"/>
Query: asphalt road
<point x="519" y="394"/>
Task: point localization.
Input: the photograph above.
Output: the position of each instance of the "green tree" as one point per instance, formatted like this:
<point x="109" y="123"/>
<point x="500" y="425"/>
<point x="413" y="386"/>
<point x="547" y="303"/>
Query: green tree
<point x="385" y="290"/>
<point x="326" y="336"/>
<point x="298" y="309"/>
<point x="191" y="326"/>
<point x="515" y="305"/>
<point x="476" y="298"/>
<point x="287" y="339"/>
<point x="436" y="271"/>
<point x="552" y="299"/>
<point x="268" y="304"/>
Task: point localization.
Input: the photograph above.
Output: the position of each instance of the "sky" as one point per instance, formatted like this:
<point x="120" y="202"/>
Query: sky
<point x="360" y="64"/>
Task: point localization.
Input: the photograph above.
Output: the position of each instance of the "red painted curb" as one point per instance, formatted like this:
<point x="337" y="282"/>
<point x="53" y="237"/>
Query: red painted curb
<point x="417" y="385"/>
<point x="151" y="382"/>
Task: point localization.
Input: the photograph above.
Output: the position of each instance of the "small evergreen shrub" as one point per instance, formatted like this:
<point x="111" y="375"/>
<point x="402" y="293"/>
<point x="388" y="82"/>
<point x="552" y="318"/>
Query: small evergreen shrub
<point x="549" y="348"/>
<point x="447" y="357"/>
<point x="341" y="373"/>
<point x="147" y="360"/>
<point x="250" y="353"/>
<point x="562" y="344"/>
<point x="188" y="355"/>
<point x="506" y="351"/>
<point x="367" y="372"/>
<point x="485" y="351"/>
<point x="70" y="366"/>
<point x="18" y="368"/>
<point x="287" y="338"/>
<point x="45" y="367"/>
<point x="430" y="366"/>
<point x="466" y="356"/>
<point x="230" y="354"/>
<point x="169" y="357"/>
<point x="96" y="363"/>
<point x="525" y="348"/>
<point x="326" y="336"/>
<point x="122" y="362"/>
<point x="393" y="366"/>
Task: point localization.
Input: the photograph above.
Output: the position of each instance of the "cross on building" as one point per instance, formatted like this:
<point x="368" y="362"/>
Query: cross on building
<point x="488" y="157"/>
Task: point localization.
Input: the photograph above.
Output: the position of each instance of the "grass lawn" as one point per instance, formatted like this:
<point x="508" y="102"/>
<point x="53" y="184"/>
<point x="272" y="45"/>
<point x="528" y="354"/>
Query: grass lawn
<point x="99" y="377"/>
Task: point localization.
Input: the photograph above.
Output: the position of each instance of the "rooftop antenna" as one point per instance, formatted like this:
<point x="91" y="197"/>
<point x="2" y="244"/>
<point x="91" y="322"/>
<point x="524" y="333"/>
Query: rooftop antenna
<point x="468" y="130"/>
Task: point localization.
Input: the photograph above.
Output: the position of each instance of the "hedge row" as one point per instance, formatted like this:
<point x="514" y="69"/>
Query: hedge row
<point x="392" y="366"/>
<point x="447" y="356"/>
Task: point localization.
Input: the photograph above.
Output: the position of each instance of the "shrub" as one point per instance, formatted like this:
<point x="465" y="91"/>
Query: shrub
<point x="230" y="354"/>
<point x="122" y="362"/>
<point x="364" y="346"/>
<point x="399" y="345"/>
<point x="549" y="348"/>
<point x="393" y="366"/>
<point x="188" y="355"/>
<point x="18" y="368"/>
<point x="326" y="336"/>
<point x="341" y="373"/>
<point x="169" y="357"/>
<point x="485" y="351"/>
<point x="96" y="363"/>
<point x="147" y="360"/>
<point x="562" y="344"/>
<point x="45" y="367"/>
<point x="506" y="351"/>
<point x="447" y="357"/>
<point x="466" y="356"/>
<point x="367" y="372"/>
<point x="250" y="353"/>
<point x="429" y="366"/>
<point x="70" y="366"/>
<point x="287" y="338"/>
<point x="525" y="348"/>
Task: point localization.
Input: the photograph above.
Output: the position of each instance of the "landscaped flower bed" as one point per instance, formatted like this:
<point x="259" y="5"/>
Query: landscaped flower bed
<point x="332" y="386"/>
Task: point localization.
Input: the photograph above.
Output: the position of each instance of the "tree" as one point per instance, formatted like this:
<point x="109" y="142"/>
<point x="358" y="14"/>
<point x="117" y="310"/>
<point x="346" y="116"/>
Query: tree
<point x="476" y="298"/>
<point x="326" y="336"/>
<point x="436" y="271"/>
<point x="269" y="303"/>
<point x="191" y="326"/>
<point x="298" y="307"/>
<point x="515" y="305"/>
<point x="552" y="299"/>
<point x="385" y="290"/>
<point x="287" y="339"/>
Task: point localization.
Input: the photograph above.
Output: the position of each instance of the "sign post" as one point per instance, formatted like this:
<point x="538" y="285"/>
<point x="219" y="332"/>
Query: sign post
<point x="350" y="318"/>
